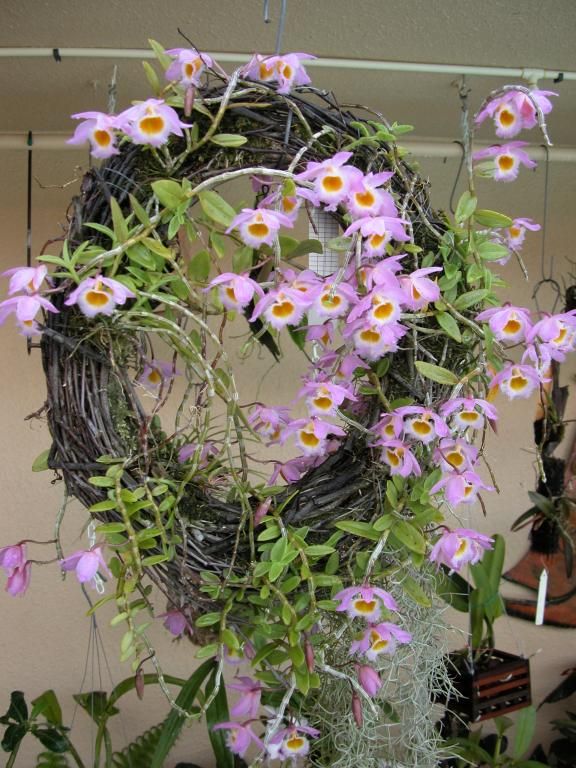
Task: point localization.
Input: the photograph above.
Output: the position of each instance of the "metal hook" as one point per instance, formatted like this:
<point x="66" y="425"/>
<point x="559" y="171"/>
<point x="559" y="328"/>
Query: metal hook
<point x="546" y="276"/>
<point x="281" y="22"/>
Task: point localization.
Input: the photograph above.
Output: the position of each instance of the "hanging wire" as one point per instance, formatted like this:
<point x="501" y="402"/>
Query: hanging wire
<point x="546" y="270"/>
<point x="112" y="91"/>
<point x="457" y="179"/>
<point x="30" y="143"/>
<point x="281" y="22"/>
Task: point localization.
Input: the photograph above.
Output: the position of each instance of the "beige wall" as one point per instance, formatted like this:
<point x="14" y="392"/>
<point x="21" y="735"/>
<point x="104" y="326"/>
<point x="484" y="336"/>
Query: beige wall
<point x="43" y="637"/>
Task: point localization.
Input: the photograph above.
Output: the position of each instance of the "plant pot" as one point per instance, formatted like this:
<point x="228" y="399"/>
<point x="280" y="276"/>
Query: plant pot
<point x="496" y="683"/>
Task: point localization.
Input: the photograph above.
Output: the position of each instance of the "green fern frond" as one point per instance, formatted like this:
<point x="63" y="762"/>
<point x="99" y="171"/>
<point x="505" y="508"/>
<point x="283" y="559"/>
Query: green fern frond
<point x="51" y="760"/>
<point x="137" y="754"/>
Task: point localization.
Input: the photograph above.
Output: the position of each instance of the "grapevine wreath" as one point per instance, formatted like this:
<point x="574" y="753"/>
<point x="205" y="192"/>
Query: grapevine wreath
<point x="318" y="572"/>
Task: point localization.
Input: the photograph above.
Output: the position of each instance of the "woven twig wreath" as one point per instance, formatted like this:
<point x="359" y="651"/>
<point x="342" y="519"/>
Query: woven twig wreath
<point x="93" y="406"/>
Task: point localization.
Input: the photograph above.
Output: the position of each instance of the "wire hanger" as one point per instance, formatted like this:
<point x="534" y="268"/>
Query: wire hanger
<point x="546" y="270"/>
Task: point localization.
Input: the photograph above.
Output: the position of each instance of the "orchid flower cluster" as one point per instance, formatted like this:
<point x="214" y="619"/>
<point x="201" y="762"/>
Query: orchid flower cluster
<point x="385" y="297"/>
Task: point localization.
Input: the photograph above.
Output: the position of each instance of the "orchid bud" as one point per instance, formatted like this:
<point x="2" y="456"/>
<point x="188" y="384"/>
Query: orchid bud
<point x="369" y="679"/>
<point x="189" y="100"/>
<point x="139" y="683"/>
<point x="309" y="654"/>
<point x="357" y="710"/>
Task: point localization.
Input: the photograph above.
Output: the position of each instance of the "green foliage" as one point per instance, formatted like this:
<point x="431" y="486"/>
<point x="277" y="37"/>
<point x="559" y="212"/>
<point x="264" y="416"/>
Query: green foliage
<point x="137" y="753"/>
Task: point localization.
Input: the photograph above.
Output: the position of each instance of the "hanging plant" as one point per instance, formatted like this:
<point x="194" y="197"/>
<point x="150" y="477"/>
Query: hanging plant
<point x="320" y="574"/>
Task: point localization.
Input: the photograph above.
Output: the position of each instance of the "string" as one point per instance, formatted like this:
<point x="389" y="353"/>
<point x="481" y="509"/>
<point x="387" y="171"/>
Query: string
<point x="546" y="277"/>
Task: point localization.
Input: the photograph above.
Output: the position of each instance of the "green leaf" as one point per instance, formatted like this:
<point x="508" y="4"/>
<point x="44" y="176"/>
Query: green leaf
<point x="95" y="703"/>
<point x="491" y="219"/>
<point x="466" y="206"/>
<point x="111" y="528"/>
<point x="339" y="243"/>
<point x="199" y="267"/>
<point x="118" y="222"/>
<point x="40" y="463"/>
<point x="453" y="589"/>
<point x="318" y="550"/>
<point x="216" y="208"/>
<point x="489" y="251"/>
<point x="216" y="713"/>
<point x="415" y="591"/>
<point x="449" y="324"/>
<point x="229" y="139"/>
<point x="13" y="735"/>
<point x="303" y="248"/>
<point x="152" y="78"/>
<point x="207" y="619"/>
<point x="148" y="562"/>
<point x="169" y="193"/>
<point x="365" y="530"/>
<point x="470" y="298"/>
<point x="141" y="256"/>
<point x="410" y="536"/>
<point x="47" y="704"/>
<point x="18" y="710"/>
<point x="52" y="739"/>
<point x="160" y="53"/>
<point x="175" y="721"/>
<point x="436" y="373"/>
<point x="242" y="260"/>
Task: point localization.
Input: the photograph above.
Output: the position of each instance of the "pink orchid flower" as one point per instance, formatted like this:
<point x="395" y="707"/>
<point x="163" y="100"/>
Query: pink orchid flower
<point x="468" y="412"/>
<point x="369" y="679"/>
<point x="323" y="334"/>
<point x="152" y="122"/>
<point x="27" y="279"/>
<point x="269" y="421"/>
<point x="290" y="743"/>
<point x="249" y="702"/>
<point x="458" y="547"/>
<point x="515" y="110"/>
<point x="289" y="70"/>
<point x="12" y="557"/>
<point x="507" y="159"/>
<point x="259" y="226"/>
<point x="382" y="306"/>
<point x="311" y="434"/>
<point x="204" y="453"/>
<point x="175" y="622"/>
<point x="455" y="455"/>
<point x="323" y="398"/>
<point x="99" y="296"/>
<point x="155" y="373"/>
<point x="99" y="130"/>
<point x="365" y="601"/>
<point x="461" y="487"/>
<point x="332" y="179"/>
<point x="507" y="323"/>
<point x="389" y="427"/>
<point x="235" y="291"/>
<point x="25" y="308"/>
<point x="425" y="426"/>
<point x="557" y="332"/>
<point x="372" y="341"/>
<point x="306" y="283"/>
<point x="188" y="66"/>
<point x="377" y="232"/>
<point x="289" y="205"/>
<point x="281" y="306"/>
<point x="17" y="568"/>
<point x="516" y="380"/>
<point x="19" y="580"/>
<point x="334" y="300"/>
<point x="516" y="233"/>
<point x="240" y="737"/>
<point x="380" y="638"/>
<point x="399" y="458"/>
<point x="367" y="199"/>
<point x="86" y="563"/>
<point x="418" y="289"/>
